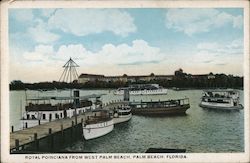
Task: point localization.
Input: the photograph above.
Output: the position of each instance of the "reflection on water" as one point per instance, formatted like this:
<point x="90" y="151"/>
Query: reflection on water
<point x="201" y="130"/>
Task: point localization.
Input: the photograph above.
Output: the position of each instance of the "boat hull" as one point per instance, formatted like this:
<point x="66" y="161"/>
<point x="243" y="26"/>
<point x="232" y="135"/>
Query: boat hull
<point x="92" y="131"/>
<point x="123" y="118"/>
<point x="175" y="110"/>
<point x="220" y="107"/>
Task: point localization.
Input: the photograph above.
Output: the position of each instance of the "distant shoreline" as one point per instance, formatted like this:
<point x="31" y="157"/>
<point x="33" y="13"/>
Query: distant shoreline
<point x="89" y="89"/>
<point x="178" y="82"/>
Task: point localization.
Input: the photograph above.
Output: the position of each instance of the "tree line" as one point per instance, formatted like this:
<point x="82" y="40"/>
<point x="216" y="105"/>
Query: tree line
<point x="178" y="81"/>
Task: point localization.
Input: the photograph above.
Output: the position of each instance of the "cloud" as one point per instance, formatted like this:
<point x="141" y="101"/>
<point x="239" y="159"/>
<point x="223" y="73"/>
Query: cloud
<point x="82" y="22"/>
<point x="123" y="54"/>
<point x="234" y="47"/>
<point x="139" y="63"/>
<point x="139" y="51"/>
<point x="41" y="34"/>
<point x="208" y="61"/>
<point x="77" y="51"/>
<point x="219" y="54"/>
<point x="200" y="20"/>
<point x="40" y="53"/>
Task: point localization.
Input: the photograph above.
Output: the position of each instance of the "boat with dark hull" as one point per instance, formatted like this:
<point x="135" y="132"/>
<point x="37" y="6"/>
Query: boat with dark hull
<point x="160" y="108"/>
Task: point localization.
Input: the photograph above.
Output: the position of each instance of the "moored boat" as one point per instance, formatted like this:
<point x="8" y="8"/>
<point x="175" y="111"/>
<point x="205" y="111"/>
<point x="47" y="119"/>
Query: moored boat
<point x="97" y="125"/>
<point x="122" y="114"/>
<point x="223" y="99"/>
<point x="142" y="89"/>
<point x="160" y="108"/>
<point x="46" y="109"/>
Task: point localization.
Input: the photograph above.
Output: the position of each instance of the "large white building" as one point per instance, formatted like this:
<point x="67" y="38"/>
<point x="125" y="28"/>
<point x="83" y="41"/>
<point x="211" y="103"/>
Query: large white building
<point x="83" y="78"/>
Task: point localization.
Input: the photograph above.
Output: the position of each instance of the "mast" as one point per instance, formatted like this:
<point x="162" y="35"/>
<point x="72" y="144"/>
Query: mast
<point x="69" y="75"/>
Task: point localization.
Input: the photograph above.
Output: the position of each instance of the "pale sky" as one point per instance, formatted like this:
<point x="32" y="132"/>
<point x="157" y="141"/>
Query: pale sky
<point x="124" y="41"/>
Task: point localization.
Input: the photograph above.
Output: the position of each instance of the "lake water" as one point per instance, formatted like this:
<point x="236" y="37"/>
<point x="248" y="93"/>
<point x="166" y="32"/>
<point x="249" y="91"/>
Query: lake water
<point x="201" y="130"/>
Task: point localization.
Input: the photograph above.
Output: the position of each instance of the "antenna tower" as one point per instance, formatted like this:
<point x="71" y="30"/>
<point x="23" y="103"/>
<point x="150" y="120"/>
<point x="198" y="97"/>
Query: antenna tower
<point x="69" y="73"/>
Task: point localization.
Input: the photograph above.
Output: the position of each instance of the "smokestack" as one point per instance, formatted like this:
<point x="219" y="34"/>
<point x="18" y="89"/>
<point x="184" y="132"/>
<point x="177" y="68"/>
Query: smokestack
<point x="126" y="95"/>
<point x="76" y="98"/>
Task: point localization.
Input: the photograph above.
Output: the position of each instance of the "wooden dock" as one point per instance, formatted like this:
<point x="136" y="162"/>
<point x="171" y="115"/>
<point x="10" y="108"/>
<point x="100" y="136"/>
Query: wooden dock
<point x="19" y="139"/>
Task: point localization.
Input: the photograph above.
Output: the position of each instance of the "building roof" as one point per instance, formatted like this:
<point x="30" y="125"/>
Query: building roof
<point x="91" y="75"/>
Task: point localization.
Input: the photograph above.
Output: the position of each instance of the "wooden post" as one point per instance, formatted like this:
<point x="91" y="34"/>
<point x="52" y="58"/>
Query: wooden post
<point x="26" y="125"/>
<point x="62" y="136"/>
<point x="39" y="122"/>
<point x="50" y="140"/>
<point x="50" y="131"/>
<point x="82" y="121"/>
<point x="36" y="141"/>
<point x="17" y="144"/>
<point x="71" y="131"/>
<point x="62" y="128"/>
<point x="12" y="128"/>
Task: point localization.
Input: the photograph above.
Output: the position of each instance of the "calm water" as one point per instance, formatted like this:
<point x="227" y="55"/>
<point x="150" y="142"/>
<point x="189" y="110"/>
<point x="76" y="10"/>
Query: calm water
<point x="200" y="130"/>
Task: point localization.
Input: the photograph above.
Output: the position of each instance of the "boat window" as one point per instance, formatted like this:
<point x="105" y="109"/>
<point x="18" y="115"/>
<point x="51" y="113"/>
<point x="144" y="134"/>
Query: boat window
<point x="28" y="116"/>
<point x="44" y="116"/>
<point x="222" y="101"/>
<point x="33" y="116"/>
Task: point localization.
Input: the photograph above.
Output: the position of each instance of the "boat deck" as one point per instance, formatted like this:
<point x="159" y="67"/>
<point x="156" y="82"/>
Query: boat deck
<point x="26" y="136"/>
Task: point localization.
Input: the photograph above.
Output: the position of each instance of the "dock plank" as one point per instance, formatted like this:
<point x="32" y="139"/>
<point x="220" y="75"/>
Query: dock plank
<point x="27" y="135"/>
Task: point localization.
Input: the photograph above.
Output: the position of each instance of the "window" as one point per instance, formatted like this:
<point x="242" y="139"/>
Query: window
<point x="44" y="116"/>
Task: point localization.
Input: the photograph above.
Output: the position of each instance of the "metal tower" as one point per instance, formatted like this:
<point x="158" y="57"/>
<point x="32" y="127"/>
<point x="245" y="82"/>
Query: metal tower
<point x="69" y="74"/>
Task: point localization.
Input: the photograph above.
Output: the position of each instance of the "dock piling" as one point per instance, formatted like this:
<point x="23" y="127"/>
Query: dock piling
<point x="36" y="141"/>
<point x="50" y="131"/>
<point x="56" y="135"/>
<point x="50" y="140"/>
<point x="17" y="144"/>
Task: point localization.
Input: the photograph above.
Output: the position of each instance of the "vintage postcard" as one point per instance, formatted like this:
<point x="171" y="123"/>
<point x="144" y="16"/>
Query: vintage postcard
<point x="125" y="81"/>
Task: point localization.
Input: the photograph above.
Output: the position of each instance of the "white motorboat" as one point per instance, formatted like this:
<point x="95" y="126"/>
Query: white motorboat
<point x="142" y="89"/>
<point x="98" y="124"/>
<point x="122" y="114"/>
<point x="227" y="99"/>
